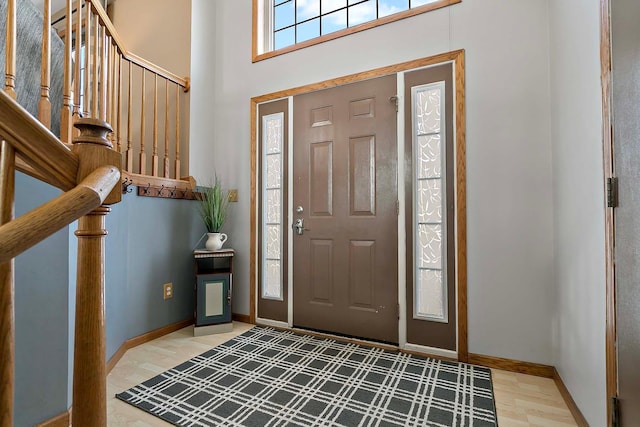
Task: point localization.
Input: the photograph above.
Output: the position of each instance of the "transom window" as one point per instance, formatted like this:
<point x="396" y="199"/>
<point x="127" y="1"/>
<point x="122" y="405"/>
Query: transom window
<point x="285" y="25"/>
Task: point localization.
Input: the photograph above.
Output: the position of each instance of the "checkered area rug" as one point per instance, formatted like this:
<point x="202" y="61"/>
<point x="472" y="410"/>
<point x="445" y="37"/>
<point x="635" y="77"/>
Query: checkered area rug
<point x="266" y="377"/>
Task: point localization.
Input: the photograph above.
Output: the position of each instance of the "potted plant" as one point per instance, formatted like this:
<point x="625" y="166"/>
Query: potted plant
<point x="213" y="208"/>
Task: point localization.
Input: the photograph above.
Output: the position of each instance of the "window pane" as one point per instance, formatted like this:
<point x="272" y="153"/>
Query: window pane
<point x="308" y="30"/>
<point x="429" y="248"/>
<point x="284" y="15"/>
<point x="428" y="111"/>
<point x="284" y="38"/>
<point x="272" y="284"/>
<point x="273" y="171"/>
<point x="429" y="201"/>
<point x="277" y="2"/>
<point x="272" y="241"/>
<point x="389" y="7"/>
<point x="334" y="21"/>
<point x="273" y="206"/>
<point x="306" y="9"/>
<point x="428" y="155"/>
<point x="430" y="294"/>
<point x="416" y="3"/>
<point x="363" y="12"/>
<point x="331" y="5"/>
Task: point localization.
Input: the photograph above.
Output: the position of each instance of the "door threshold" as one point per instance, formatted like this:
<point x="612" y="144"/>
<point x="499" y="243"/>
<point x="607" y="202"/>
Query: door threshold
<point x="347" y="338"/>
<point x="328" y="335"/>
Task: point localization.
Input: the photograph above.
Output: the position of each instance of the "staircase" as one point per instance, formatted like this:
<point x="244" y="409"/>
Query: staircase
<point x="82" y="113"/>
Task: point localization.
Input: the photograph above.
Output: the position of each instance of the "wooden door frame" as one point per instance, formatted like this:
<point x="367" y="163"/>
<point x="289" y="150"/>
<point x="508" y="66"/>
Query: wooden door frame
<point x="609" y="229"/>
<point x="457" y="57"/>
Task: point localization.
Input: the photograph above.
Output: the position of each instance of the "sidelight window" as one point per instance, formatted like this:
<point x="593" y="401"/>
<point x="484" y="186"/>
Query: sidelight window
<point x="272" y="196"/>
<point x="429" y="218"/>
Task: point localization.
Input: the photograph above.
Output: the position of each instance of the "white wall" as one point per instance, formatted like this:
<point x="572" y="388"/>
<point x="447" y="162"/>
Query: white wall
<point x="156" y="30"/>
<point x="510" y="245"/>
<point x="578" y="193"/>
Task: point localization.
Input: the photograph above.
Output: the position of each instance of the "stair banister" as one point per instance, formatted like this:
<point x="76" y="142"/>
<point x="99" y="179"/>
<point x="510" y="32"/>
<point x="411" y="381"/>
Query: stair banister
<point x="7" y="318"/>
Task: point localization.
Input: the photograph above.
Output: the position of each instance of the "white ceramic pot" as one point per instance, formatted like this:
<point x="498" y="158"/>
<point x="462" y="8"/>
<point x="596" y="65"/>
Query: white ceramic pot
<point x="215" y="241"/>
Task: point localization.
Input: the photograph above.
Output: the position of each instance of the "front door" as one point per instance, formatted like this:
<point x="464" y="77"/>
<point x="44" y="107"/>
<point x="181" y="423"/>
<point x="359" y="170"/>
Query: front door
<point x="345" y="251"/>
<point x="626" y="124"/>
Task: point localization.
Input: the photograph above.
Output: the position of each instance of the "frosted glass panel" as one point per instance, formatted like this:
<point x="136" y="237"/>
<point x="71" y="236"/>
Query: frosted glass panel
<point x="429" y="246"/>
<point x="273" y="171"/>
<point x="272" y="206"/>
<point x="427" y="111"/>
<point x="429" y="217"/>
<point x="429" y="298"/>
<point x="213" y="299"/>
<point x="428" y="156"/>
<point x="272" y="284"/>
<point x="272" y="241"/>
<point x="273" y="134"/>
<point x="429" y="201"/>
<point x="272" y="197"/>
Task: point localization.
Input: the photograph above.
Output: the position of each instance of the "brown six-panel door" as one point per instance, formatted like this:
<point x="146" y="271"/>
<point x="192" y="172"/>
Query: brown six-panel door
<point x="345" y="193"/>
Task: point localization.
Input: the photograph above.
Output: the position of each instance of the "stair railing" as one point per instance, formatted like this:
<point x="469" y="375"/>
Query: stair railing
<point x="142" y="101"/>
<point x="89" y="172"/>
<point x="101" y="80"/>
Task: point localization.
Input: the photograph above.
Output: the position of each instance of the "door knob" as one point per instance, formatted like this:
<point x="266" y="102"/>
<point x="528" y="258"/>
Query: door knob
<point x="299" y="226"/>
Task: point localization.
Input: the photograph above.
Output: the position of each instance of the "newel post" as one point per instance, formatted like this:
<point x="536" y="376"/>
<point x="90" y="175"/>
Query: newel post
<point x="89" y="365"/>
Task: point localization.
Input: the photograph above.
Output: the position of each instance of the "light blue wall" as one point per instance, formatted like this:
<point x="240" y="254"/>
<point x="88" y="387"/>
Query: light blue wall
<point x="149" y="243"/>
<point x="41" y="307"/>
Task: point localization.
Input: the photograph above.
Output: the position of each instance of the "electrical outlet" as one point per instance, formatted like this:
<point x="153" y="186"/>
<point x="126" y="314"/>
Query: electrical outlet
<point x="168" y="290"/>
<point x="233" y="195"/>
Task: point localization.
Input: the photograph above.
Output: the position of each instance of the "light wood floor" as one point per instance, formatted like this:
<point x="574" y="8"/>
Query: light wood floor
<point x="521" y="400"/>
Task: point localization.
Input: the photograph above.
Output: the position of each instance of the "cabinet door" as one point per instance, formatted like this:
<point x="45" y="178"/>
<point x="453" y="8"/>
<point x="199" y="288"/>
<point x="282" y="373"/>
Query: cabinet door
<point x="213" y="299"/>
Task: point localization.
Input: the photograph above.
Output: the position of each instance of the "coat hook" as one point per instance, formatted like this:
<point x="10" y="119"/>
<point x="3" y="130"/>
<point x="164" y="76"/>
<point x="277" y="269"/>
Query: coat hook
<point x="146" y="190"/>
<point x="125" y="186"/>
<point x="173" y="192"/>
<point x="160" y="191"/>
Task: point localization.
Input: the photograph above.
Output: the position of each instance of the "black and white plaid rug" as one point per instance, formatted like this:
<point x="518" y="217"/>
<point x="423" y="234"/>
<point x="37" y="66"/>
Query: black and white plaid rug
<point x="266" y="377"/>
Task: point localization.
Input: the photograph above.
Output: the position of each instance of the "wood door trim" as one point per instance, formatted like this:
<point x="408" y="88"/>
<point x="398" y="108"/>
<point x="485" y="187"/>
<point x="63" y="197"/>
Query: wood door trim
<point x="609" y="228"/>
<point x="458" y="58"/>
<point x="461" y="207"/>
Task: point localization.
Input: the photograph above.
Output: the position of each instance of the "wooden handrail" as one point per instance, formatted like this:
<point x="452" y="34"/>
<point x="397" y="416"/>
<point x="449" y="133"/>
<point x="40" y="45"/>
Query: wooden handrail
<point x="36" y="145"/>
<point x="22" y="233"/>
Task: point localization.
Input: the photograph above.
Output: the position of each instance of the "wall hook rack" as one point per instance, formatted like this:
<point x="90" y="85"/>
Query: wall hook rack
<point x="167" y="192"/>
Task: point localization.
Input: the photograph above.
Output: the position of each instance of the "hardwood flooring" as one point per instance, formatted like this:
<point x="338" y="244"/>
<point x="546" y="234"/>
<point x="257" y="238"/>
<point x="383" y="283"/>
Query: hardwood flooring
<point x="521" y="400"/>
